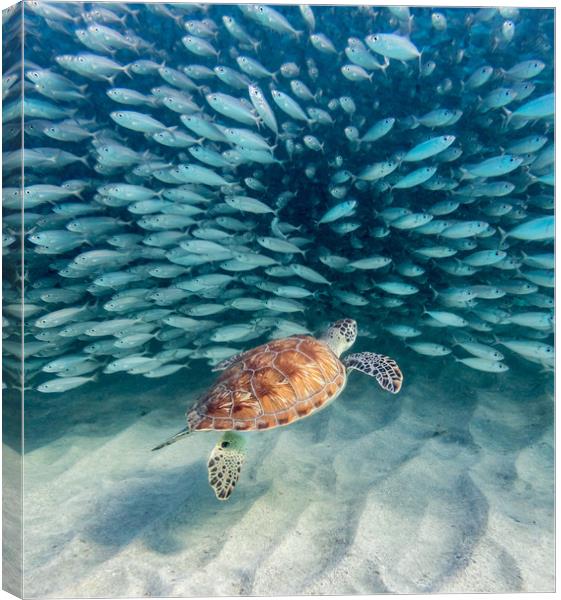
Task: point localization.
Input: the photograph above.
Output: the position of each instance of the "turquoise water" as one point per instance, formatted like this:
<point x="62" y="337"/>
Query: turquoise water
<point x="177" y="211"/>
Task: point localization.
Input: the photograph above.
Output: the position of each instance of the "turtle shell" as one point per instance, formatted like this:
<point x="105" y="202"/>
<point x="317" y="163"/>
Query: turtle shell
<point x="271" y="385"/>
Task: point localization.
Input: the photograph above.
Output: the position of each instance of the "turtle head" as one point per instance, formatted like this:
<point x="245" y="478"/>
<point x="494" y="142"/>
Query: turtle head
<point x="341" y="335"/>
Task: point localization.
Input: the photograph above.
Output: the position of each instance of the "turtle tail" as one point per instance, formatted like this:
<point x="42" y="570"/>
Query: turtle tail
<point x="180" y="434"/>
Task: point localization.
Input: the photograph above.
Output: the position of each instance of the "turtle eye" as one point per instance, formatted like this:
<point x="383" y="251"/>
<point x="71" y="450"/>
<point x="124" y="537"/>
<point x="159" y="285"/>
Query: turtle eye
<point x="224" y="444"/>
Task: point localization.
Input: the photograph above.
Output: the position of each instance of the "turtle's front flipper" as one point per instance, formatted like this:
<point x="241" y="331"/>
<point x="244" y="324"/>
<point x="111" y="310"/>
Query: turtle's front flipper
<point x="383" y="368"/>
<point x="225" y="463"/>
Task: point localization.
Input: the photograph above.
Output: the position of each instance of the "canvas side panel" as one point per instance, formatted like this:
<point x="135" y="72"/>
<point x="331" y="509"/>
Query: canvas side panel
<point x="12" y="262"/>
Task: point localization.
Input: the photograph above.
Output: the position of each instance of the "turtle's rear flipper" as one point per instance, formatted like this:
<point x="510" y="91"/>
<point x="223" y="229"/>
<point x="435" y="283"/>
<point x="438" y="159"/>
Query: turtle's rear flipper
<point x="173" y="438"/>
<point x="225" y="464"/>
<point x="383" y="368"/>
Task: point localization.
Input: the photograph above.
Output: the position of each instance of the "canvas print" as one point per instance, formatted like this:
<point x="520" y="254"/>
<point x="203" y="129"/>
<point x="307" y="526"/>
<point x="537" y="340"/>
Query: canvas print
<point x="278" y="299"/>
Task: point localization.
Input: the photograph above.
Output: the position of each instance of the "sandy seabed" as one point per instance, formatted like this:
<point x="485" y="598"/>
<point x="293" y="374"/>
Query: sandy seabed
<point x="447" y="487"/>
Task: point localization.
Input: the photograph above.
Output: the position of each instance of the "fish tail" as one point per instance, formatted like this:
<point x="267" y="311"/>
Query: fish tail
<point x="504" y="235"/>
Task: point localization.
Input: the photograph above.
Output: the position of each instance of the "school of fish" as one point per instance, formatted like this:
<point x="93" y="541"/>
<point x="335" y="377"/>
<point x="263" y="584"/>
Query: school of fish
<point x="198" y="179"/>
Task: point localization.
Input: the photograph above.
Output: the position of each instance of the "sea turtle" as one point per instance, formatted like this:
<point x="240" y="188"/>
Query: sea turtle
<point x="273" y="385"/>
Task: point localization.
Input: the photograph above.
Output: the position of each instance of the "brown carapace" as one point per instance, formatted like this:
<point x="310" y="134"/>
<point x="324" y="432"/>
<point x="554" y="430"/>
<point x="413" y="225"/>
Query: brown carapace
<point x="271" y="385"/>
